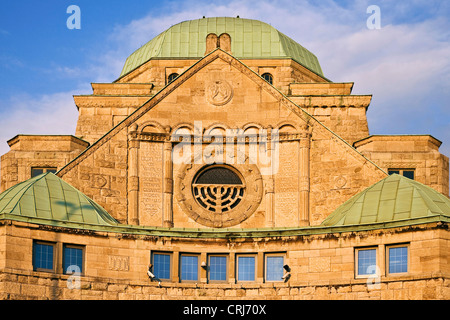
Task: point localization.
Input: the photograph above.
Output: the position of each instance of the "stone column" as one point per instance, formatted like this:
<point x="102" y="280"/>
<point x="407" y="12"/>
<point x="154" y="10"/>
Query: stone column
<point x="270" y="182"/>
<point x="304" y="185"/>
<point x="133" y="176"/>
<point x="167" y="184"/>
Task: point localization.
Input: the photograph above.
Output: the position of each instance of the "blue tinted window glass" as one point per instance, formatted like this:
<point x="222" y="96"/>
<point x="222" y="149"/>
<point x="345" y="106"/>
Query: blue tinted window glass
<point x="73" y="257"/>
<point x="409" y="174"/>
<point x="218" y="268"/>
<point x="367" y="261"/>
<point x="246" y="268"/>
<point x="274" y="268"/>
<point x="161" y="266"/>
<point x="36" y="171"/>
<point x="398" y="259"/>
<point x="393" y="171"/>
<point x="42" y="256"/>
<point x="189" y="268"/>
<point x="268" y="77"/>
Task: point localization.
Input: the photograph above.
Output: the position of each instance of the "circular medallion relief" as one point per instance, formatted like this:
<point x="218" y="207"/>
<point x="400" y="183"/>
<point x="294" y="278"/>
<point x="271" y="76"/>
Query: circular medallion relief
<point x="219" y="92"/>
<point x="219" y="195"/>
<point x="218" y="189"/>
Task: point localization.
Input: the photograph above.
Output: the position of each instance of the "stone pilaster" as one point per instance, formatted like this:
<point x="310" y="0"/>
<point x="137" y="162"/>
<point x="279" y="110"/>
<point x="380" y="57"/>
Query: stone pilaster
<point x="168" y="184"/>
<point x="270" y="182"/>
<point x="304" y="180"/>
<point x="133" y="176"/>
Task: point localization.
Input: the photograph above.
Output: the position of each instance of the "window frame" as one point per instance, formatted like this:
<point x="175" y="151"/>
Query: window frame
<point x="173" y="75"/>
<point x="44" y="170"/>
<point x="270" y="80"/>
<point x="34" y="261"/>
<point x="272" y="255"/>
<point x="356" y="264"/>
<point x="73" y="246"/>
<point x="180" y="266"/>
<point x="388" y="256"/>
<point x="165" y="253"/>
<point x="222" y="255"/>
<point x="402" y="170"/>
<point x="252" y="255"/>
<point x="205" y="202"/>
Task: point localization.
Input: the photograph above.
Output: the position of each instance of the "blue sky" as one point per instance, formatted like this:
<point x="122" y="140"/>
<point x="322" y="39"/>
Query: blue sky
<point x="405" y="64"/>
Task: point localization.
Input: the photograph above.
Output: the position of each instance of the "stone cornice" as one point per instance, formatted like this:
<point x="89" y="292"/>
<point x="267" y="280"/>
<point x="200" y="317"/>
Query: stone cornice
<point x="376" y="138"/>
<point x="116" y="101"/>
<point x="244" y="138"/>
<point x="200" y="234"/>
<point x="356" y="101"/>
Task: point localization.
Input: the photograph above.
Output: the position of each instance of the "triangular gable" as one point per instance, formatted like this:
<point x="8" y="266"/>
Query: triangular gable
<point x="171" y="87"/>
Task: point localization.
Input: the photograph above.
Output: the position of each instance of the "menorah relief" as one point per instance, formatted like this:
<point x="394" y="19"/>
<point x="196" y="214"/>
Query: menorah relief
<point x="218" y="198"/>
<point x="218" y="188"/>
<point x="220" y="195"/>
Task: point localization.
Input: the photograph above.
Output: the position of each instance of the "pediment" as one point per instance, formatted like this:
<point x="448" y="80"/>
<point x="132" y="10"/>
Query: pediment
<point x="220" y="91"/>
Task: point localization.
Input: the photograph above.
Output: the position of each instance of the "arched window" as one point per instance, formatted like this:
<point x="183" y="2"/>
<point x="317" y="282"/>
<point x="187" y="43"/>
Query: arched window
<point x="268" y="77"/>
<point x="218" y="188"/>
<point x="171" y="77"/>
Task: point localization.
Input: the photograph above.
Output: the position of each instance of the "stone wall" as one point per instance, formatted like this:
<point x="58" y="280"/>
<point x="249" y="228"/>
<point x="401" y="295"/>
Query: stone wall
<point x="322" y="265"/>
<point x="29" y="151"/>
<point x="25" y="286"/>
<point x="417" y="152"/>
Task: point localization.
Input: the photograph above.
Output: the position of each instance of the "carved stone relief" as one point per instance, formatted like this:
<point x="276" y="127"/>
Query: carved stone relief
<point x="219" y="92"/>
<point x="151" y="183"/>
<point x="249" y="202"/>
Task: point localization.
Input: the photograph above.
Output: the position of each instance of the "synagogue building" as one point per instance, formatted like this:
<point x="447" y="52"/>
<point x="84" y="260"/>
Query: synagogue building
<point x="222" y="163"/>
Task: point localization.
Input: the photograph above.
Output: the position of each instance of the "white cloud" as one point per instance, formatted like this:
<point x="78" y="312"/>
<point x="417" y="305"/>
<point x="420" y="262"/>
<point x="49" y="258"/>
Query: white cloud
<point x="45" y="114"/>
<point x="405" y="66"/>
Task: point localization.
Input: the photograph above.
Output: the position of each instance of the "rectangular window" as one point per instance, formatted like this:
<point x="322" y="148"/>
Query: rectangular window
<point x="274" y="267"/>
<point x="37" y="171"/>
<point x="246" y="267"/>
<point x="397" y="259"/>
<point x="161" y="265"/>
<point x="43" y="256"/>
<point x="72" y="258"/>
<point x="189" y="267"/>
<point x="408" y="173"/>
<point x="217" y="268"/>
<point x="366" y="261"/>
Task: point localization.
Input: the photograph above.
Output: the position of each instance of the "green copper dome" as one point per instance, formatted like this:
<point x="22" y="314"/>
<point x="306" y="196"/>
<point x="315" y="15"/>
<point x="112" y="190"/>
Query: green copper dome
<point x="250" y="39"/>
<point x="394" y="198"/>
<point x="48" y="198"/>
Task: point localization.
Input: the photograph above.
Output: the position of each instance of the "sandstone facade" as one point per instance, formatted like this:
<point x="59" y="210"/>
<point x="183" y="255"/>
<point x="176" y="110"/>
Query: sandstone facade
<point x="322" y="265"/>
<point x="287" y="146"/>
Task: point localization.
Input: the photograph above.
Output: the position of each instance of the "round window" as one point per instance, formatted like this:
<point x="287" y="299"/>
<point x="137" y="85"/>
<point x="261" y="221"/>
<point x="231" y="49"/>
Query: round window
<point x="218" y="195"/>
<point x="218" y="188"/>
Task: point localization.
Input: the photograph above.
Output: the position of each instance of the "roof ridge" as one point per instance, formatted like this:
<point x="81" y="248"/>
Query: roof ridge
<point x="64" y="197"/>
<point x="425" y="195"/>
<point x="27" y="185"/>
<point x="58" y="203"/>
<point x="338" y="217"/>
<point x="80" y="195"/>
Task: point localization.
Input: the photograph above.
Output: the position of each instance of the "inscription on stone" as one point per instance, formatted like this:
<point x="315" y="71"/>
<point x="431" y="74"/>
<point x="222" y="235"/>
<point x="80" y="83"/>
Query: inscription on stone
<point x="286" y="185"/>
<point x="151" y="179"/>
<point x="119" y="263"/>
